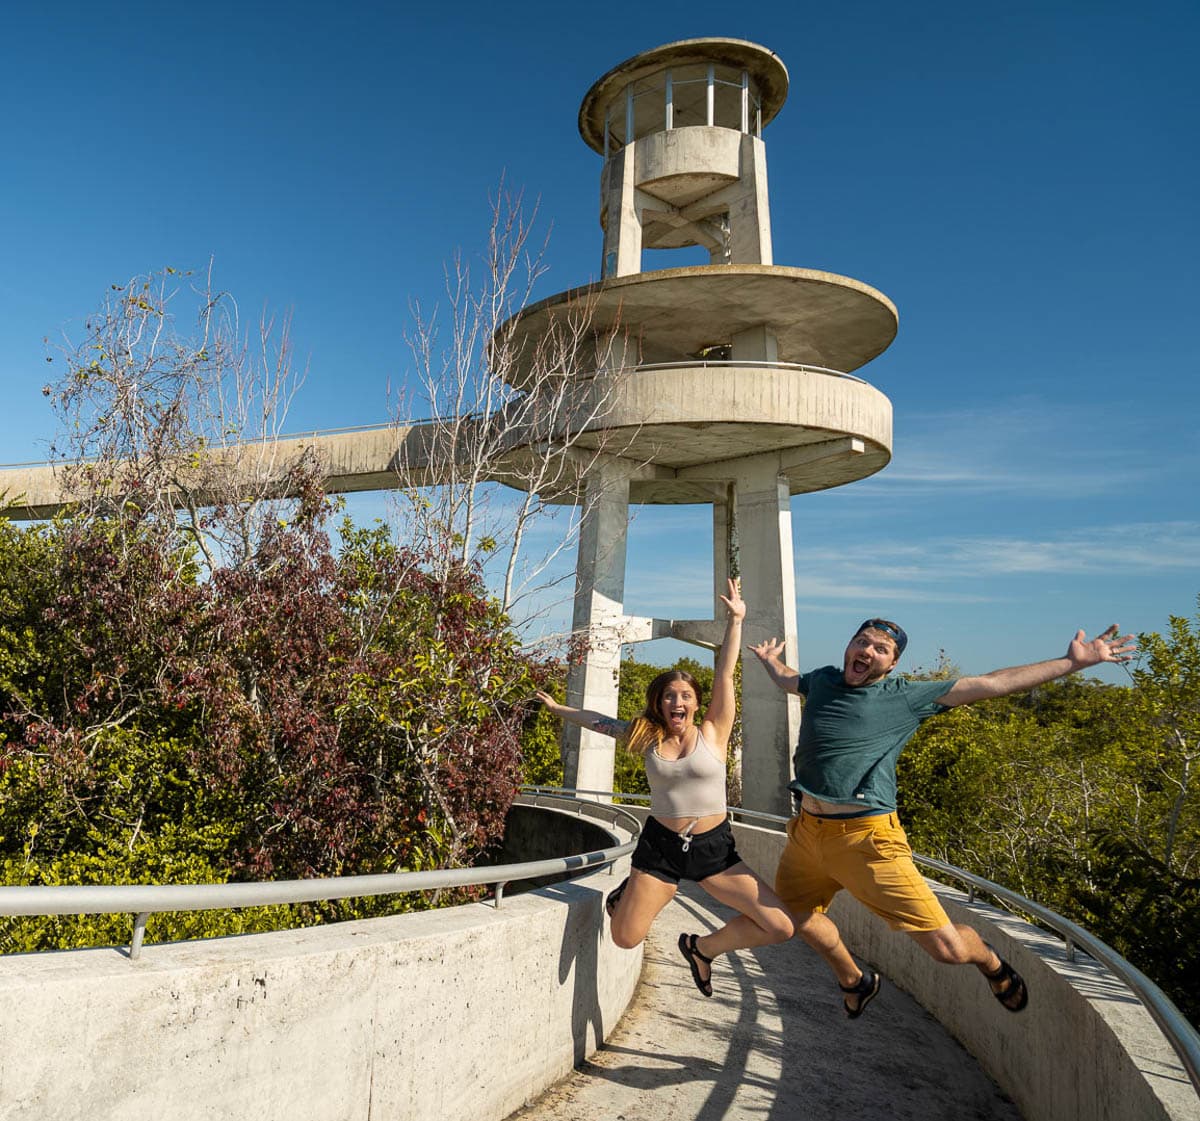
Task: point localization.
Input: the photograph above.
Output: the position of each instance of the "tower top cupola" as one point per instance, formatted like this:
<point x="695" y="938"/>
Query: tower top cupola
<point x="717" y="83"/>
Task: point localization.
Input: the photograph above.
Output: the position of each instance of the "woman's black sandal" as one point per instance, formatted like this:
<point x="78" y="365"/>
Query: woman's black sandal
<point x="687" y="947"/>
<point x="1015" y="995"/>
<point x="614" y="897"/>
<point x="866" y="988"/>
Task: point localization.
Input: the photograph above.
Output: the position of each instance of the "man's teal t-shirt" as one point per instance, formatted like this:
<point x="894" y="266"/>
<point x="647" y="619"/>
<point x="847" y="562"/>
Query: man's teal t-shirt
<point x="851" y="737"/>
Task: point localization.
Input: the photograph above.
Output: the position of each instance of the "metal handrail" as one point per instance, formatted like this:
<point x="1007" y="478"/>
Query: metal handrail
<point x="749" y="363"/>
<point x="143" y="900"/>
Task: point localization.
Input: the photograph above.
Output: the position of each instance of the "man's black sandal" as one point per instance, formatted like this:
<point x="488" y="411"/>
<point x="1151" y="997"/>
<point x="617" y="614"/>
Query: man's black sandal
<point x="614" y="896"/>
<point x="1015" y="995"/>
<point x="687" y="947"/>
<point x="866" y="989"/>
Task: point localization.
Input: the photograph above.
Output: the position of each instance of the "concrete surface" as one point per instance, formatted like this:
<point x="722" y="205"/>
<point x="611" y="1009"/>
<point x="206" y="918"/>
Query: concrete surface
<point x="700" y="424"/>
<point x="459" y="1013"/>
<point x="820" y="318"/>
<point x="770" y="1045"/>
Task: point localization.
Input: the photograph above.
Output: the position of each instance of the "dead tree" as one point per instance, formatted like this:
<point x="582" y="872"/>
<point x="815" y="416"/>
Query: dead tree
<point x="515" y="422"/>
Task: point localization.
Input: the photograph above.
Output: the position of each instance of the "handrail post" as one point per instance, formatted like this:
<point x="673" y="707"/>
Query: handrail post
<point x="498" y="894"/>
<point x="139" y="930"/>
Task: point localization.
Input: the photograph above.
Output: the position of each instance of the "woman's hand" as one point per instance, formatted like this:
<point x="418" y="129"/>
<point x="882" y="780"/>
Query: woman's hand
<point x="734" y="604"/>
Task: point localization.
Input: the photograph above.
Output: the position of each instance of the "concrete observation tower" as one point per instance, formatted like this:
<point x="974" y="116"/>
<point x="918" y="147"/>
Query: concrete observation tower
<point x="732" y="379"/>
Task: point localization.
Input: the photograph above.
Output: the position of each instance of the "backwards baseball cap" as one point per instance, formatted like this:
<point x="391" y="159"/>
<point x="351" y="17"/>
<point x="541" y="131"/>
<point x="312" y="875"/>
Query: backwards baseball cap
<point x="893" y="630"/>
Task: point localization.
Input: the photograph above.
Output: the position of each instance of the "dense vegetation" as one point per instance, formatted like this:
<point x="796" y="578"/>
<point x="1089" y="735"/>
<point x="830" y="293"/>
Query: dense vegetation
<point x="303" y="712"/>
<point x="1081" y="796"/>
<point x="196" y="685"/>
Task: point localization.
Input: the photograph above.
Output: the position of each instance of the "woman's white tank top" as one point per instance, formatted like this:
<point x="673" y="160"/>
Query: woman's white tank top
<point x="693" y="786"/>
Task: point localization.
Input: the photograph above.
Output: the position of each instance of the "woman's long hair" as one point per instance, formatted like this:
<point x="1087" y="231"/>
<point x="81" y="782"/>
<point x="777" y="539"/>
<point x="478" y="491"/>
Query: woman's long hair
<point x="650" y="728"/>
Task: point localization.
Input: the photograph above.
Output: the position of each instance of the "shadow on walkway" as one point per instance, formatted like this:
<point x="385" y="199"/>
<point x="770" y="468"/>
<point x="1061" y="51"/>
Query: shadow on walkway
<point x="771" y="1044"/>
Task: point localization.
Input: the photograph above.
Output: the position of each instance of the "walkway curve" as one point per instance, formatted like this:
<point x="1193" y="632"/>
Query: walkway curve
<point x="771" y="1045"/>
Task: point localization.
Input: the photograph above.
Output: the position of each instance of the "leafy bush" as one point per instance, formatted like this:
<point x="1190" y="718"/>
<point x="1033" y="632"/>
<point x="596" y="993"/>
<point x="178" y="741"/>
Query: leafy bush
<point x="300" y="713"/>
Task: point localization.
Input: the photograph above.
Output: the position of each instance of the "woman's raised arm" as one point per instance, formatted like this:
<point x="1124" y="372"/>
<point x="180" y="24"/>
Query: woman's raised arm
<point x="722" y="708"/>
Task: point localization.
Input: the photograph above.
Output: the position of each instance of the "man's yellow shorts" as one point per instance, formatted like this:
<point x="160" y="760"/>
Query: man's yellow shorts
<point x="869" y="857"/>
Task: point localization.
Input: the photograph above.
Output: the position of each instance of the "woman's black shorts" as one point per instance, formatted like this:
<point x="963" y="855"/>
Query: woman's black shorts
<point x="660" y="853"/>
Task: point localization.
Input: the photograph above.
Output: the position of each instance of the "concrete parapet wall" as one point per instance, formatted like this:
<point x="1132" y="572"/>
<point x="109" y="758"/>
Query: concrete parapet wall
<point x="742" y="396"/>
<point x="1085" y="1049"/>
<point x="471" y="1011"/>
<point x="690" y="151"/>
<point x="464" y="1012"/>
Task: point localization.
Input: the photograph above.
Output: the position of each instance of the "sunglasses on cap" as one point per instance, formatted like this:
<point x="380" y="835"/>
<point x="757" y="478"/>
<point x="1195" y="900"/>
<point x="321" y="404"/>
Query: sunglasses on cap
<point x="894" y="632"/>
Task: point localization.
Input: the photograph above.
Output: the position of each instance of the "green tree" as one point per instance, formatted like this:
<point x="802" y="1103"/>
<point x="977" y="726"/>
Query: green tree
<point x="1081" y="796"/>
<point x="1167" y="699"/>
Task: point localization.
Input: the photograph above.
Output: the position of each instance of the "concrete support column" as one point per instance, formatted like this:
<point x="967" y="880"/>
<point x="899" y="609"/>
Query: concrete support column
<point x="770" y="719"/>
<point x="599" y="613"/>
<point x="724" y="547"/>
<point x="623" y="222"/>
<point x="749" y="213"/>
<point x="758" y="344"/>
<point x="726" y="564"/>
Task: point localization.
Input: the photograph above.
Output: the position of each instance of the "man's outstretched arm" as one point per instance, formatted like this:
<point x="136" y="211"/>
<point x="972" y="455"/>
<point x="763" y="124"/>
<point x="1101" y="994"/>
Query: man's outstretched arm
<point x="1081" y="654"/>
<point x="768" y="654"/>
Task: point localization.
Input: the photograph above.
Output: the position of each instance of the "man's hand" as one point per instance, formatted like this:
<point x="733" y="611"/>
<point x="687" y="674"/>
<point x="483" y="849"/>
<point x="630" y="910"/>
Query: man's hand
<point x="768" y="650"/>
<point x="768" y="654"/>
<point x="1106" y="647"/>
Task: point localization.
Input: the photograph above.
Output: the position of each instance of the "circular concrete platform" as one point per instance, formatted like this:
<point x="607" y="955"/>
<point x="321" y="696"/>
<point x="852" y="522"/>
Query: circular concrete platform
<point x="819" y="318"/>
<point x="685" y="428"/>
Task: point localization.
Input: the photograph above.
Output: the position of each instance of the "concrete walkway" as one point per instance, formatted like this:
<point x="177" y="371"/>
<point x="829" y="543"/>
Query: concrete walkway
<point x="770" y="1045"/>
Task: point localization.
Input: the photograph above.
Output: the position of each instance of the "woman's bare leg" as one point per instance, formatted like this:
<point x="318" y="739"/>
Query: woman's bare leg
<point x="640" y="903"/>
<point x="763" y="920"/>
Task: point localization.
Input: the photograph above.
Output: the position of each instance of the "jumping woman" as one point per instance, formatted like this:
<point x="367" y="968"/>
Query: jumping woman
<point x="688" y="835"/>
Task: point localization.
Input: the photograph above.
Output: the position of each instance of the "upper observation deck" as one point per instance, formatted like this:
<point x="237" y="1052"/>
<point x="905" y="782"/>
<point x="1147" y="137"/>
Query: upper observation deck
<point x="680" y="129"/>
<point x="723" y="83"/>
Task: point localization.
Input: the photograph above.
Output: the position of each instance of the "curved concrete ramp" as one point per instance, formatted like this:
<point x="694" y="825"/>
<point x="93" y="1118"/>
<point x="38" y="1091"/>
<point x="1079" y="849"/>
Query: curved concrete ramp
<point x="771" y="1045"/>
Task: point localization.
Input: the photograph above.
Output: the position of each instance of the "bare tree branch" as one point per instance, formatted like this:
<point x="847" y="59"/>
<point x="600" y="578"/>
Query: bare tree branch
<point x="526" y="410"/>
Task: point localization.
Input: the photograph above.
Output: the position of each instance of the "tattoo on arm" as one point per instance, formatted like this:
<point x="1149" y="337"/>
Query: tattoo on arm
<point x="609" y="726"/>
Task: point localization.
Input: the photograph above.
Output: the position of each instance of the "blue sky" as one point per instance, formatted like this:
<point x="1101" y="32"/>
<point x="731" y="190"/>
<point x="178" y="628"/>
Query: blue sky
<point x="1020" y="180"/>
